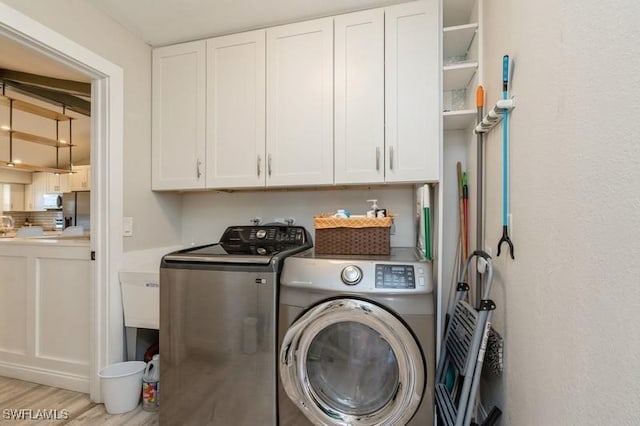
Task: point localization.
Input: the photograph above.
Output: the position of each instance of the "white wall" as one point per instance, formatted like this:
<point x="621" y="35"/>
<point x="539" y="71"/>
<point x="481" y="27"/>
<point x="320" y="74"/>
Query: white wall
<point x="569" y="305"/>
<point x="156" y="215"/>
<point x="206" y="215"/>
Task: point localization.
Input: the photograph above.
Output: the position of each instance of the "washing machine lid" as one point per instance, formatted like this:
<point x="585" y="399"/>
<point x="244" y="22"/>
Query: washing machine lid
<point x="350" y="361"/>
<point x="247" y="245"/>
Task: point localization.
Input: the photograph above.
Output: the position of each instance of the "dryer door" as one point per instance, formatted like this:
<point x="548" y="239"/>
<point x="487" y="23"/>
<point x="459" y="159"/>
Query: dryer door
<point x="352" y="362"/>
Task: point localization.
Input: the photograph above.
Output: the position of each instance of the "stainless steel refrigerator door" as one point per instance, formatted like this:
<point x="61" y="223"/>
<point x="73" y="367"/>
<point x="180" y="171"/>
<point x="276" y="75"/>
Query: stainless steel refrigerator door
<point x="69" y="208"/>
<point x="83" y="210"/>
<point x="217" y="337"/>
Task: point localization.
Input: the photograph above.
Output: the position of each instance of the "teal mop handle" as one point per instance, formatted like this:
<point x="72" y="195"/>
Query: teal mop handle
<point x="505" y="142"/>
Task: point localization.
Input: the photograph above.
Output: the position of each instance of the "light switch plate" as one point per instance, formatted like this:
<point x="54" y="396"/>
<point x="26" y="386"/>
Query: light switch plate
<point x="127" y="226"/>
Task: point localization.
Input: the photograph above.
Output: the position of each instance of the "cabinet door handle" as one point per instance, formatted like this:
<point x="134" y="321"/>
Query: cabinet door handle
<point x="377" y="158"/>
<point x="390" y="158"/>
<point x="198" y="174"/>
<point x="258" y="165"/>
<point x="269" y="165"/>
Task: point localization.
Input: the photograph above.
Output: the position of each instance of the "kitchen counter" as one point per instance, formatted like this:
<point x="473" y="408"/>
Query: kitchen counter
<point x="49" y="238"/>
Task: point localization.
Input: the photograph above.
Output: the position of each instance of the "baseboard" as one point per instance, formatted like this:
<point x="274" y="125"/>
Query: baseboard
<point x="45" y="377"/>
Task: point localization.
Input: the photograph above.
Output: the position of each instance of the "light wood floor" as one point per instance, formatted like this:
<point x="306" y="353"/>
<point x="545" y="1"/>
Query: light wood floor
<point x="17" y="396"/>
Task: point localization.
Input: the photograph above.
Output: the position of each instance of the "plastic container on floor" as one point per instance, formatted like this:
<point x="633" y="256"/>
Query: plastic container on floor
<point x="121" y="385"/>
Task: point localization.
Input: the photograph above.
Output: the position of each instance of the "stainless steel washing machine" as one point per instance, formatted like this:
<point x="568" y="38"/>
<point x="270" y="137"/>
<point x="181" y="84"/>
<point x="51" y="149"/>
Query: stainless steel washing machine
<point x="218" y="327"/>
<point x="356" y="340"/>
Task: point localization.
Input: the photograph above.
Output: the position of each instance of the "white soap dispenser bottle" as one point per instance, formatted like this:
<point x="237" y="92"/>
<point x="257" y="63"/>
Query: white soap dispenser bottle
<point x="374" y="208"/>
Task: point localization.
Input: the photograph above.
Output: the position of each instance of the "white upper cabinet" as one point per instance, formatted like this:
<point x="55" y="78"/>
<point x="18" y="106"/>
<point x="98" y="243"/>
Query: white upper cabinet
<point x="359" y="97"/>
<point x="13" y="197"/>
<point x="80" y="180"/>
<point x="412" y="92"/>
<point x="178" y="125"/>
<point x="35" y="202"/>
<point x="300" y="103"/>
<point x="236" y="111"/>
<point x="349" y="99"/>
<point x="57" y="182"/>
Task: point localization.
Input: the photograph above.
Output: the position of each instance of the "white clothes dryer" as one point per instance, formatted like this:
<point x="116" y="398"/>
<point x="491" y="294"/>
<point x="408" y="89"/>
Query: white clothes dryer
<point x="356" y="340"/>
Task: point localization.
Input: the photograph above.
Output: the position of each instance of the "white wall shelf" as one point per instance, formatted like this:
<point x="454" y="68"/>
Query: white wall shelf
<point x="457" y="12"/>
<point x="458" y="76"/>
<point x="456" y="40"/>
<point x="459" y="120"/>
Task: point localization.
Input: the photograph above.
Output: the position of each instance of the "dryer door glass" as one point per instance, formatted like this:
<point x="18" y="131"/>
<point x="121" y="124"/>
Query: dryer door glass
<point x="352" y="368"/>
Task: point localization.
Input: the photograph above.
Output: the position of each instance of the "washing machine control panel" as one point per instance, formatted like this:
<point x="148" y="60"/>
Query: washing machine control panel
<point x="395" y="276"/>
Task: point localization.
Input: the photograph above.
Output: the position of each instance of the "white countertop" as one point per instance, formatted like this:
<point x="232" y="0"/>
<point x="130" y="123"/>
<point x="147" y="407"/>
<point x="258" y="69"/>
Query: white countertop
<point x="49" y="238"/>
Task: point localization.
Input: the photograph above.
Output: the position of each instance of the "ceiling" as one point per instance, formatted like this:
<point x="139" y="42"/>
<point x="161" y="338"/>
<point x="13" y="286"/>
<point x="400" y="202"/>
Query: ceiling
<point x="16" y="57"/>
<point x="162" y="22"/>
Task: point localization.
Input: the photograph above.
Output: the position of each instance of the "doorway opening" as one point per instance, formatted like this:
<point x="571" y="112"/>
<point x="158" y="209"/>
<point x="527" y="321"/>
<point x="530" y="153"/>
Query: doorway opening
<point x="107" y="94"/>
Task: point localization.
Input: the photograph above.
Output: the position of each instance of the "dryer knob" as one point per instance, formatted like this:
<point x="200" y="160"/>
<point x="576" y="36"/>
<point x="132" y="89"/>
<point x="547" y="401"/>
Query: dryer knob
<point x="351" y="275"/>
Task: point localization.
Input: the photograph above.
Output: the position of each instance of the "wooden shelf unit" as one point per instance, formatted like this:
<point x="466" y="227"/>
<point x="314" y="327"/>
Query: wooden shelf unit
<point x="24" y="106"/>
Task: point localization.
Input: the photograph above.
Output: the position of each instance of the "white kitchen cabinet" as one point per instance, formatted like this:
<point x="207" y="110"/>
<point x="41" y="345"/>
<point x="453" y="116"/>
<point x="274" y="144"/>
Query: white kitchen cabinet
<point x="359" y="97"/>
<point x="178" y="125"/>
<point x="29" y="198"/>
<point x="235" y="149"/>
<point x="34" y="200"/>
<point x="412" y="92"/>
<point x="299" y="103"/>
<point x="12" y="197"/>
<point x="80" y="180"/>
<point x="57" y="182"/>
<point x="45" y="301"/>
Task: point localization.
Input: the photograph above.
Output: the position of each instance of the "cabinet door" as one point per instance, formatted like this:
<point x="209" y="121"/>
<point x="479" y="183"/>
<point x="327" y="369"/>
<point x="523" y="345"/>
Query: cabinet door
<point x="39" y="185"/>
<point x="235" y="110"/>
<point x="52" y="182"/>
<point x="12" y="197"/>
<point x="359" y="97"/>
<point x="178" y="110"/>
<point x="29" y="198"/>
<point x="17" y="197"/>
<point x="300" y="103"/>
<point x="412" y="132"/>
<point x="80" y="180"/>
<point x="64" y="182"/>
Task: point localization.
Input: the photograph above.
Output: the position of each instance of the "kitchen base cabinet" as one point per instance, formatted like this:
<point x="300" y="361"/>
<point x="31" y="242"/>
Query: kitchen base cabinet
<point x="45" y="313"/>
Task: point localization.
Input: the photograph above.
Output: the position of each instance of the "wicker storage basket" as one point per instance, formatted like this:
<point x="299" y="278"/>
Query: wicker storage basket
<point x="358" y="235"/>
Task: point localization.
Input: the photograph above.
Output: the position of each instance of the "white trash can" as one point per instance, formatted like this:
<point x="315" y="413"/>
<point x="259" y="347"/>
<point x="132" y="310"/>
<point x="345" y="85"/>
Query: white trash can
<point x="121" y="385"/>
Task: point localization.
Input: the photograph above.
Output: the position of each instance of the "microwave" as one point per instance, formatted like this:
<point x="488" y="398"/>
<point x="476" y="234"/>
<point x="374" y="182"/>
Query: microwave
<point x="52" y="201"/>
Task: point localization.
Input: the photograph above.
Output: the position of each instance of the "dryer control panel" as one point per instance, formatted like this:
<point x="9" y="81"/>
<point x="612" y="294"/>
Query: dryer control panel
<point x="401" y="273"/>
<point x="395" y="276"/>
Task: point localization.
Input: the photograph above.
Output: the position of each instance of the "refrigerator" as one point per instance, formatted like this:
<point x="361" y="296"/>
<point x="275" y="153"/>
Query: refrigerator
<point x="76" y="209"/>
